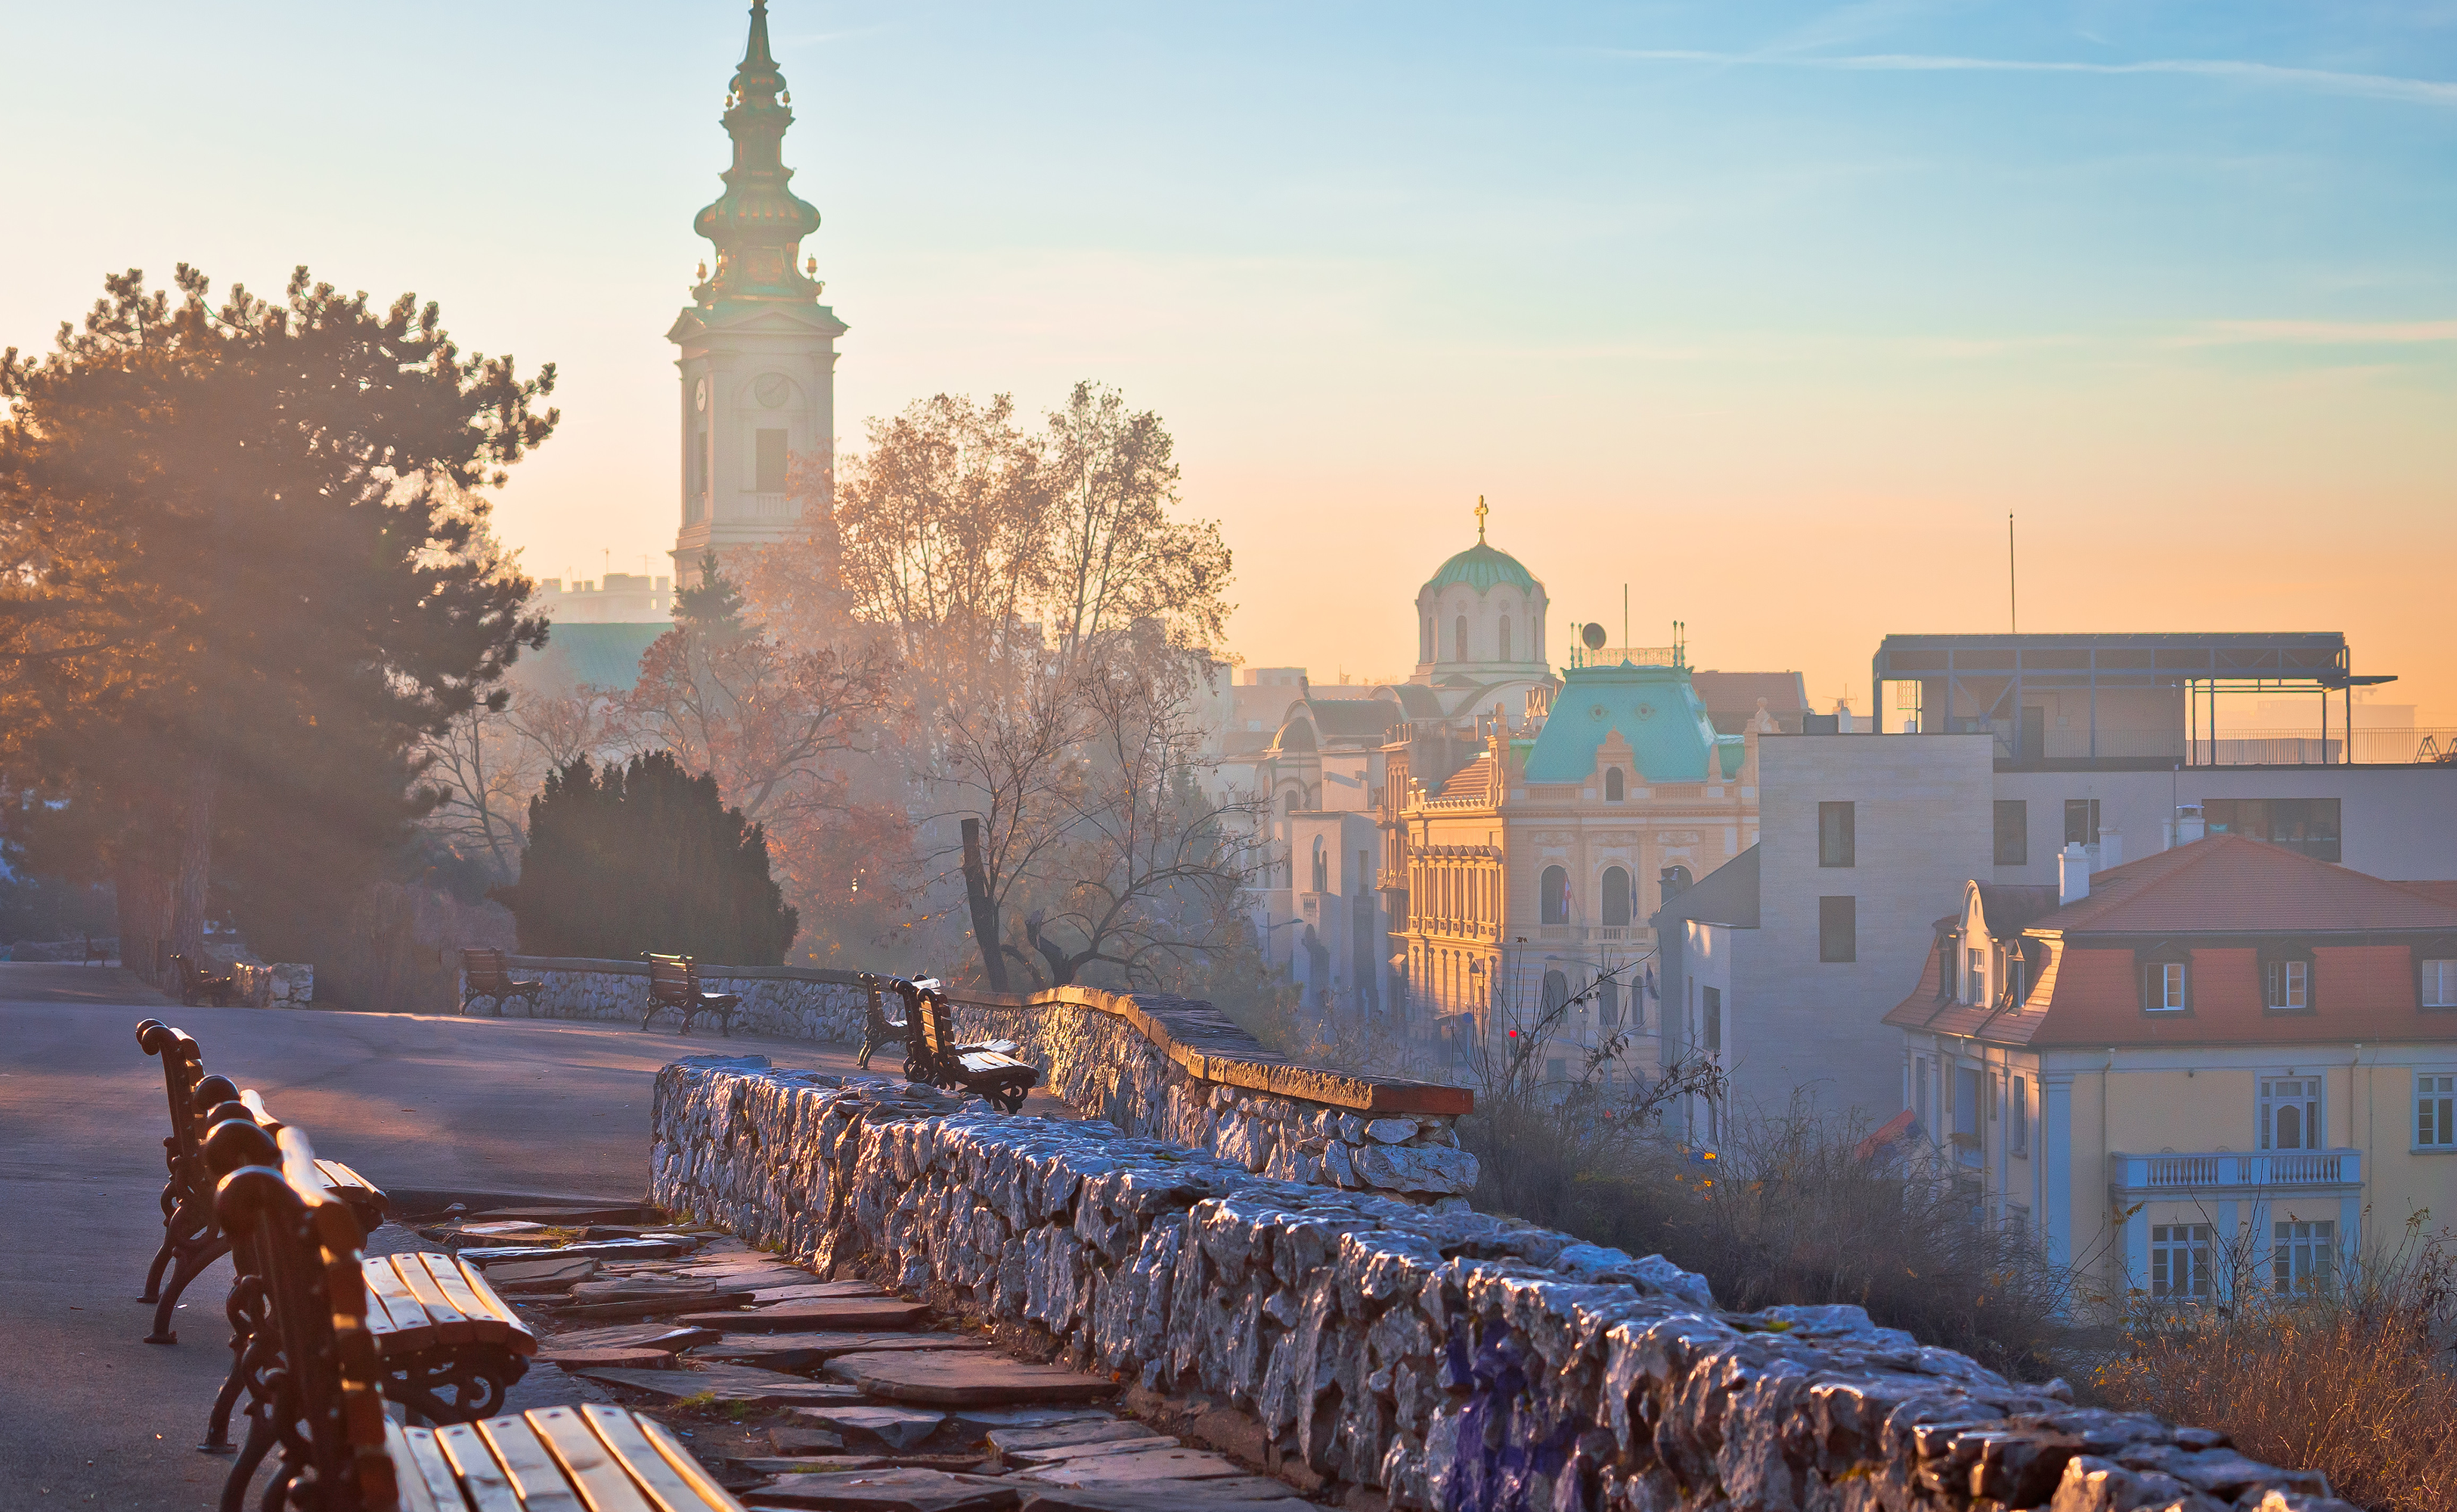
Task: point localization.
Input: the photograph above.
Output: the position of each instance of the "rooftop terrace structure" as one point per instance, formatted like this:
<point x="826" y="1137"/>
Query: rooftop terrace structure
<point x="2127" y="702"/>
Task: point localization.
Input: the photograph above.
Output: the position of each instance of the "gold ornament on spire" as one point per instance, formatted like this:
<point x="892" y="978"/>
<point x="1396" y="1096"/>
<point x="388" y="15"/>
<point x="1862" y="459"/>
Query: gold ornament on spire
<point x="1480" y="512"/>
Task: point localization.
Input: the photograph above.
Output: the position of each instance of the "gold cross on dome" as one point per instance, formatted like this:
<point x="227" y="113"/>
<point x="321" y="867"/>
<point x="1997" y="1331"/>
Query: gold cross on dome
<point x="1480" y="512"/>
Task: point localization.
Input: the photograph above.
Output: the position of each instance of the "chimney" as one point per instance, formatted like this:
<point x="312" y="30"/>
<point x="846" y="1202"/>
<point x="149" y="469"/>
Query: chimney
<point x="2188" y="824"/>
<point x="2073" y="874"/>
<point x="2110" y="849"/>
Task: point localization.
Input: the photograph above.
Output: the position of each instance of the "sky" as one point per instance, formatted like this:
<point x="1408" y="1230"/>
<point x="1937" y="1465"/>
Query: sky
<point x="1771" y="313"/>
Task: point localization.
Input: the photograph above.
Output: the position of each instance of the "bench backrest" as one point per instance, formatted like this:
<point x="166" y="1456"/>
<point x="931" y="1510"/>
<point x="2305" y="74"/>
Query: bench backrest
<point x="937" y="1034"/>
<point x="191" y="1094"/>
<point x="484" y="967"/>
<point x="328" y="1406"/>
<point x="673" y="976"/>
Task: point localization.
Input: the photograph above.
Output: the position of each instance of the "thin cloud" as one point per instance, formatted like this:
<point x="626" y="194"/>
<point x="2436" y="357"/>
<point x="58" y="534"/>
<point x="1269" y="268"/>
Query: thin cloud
<point x="2326" y="333"/>
<point x="2371" y="86"/>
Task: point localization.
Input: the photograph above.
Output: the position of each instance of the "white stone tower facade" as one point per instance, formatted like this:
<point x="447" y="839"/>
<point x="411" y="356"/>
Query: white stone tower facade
<point x="758" y="350"/>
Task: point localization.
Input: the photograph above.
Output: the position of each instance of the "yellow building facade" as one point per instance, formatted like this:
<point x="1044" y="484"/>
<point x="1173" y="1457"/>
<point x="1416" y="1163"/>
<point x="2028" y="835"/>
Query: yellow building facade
<point x="2224" y="1065"/>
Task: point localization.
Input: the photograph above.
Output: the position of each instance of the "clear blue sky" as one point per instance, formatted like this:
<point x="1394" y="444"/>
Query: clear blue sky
<point x="1772" y="311"/>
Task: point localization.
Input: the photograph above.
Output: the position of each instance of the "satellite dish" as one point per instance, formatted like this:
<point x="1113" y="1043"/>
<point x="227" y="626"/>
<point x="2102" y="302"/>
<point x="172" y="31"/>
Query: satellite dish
<point x="1594" y="635"/>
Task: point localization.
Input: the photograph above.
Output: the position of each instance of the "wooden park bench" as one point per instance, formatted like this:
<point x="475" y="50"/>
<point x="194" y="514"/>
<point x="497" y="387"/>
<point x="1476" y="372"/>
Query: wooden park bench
<point x="484" y="975"/>
<point x="673" y="983"/>
<point x="934" y="1058"/>
<point x="190" y="1240"/>
<point x="196" y="983"/>
<point x="877" y="1030"/>
<point x="446" y="1346"/>
<point x="339" y="1452"/>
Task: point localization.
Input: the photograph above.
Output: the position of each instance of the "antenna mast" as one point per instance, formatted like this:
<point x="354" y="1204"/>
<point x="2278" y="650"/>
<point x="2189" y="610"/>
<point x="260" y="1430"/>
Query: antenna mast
<point x="2013" y="584"/>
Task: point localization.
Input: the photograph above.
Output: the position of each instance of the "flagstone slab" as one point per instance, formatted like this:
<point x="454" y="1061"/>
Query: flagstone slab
<point x="1160" y="1496"/>
<point x="889" y="1491"/>
<point x="1137" y="1467"/>
<point x="725" y="1384"/>
<point x="806" y="1352"/>
<point x="819" y="1314"/>
<point x="662" y="1336"/>
<point x="1068" y="1453"/>
<point x="577" y="1359"/>
<point x="1012" y="1441"/>
<point x="516" y="1277"/>
<point x="796" y="1438"/>
<point x="862" y="1424"/>
<point x="967" y="1378"/>
<point x="806" y="1289"/>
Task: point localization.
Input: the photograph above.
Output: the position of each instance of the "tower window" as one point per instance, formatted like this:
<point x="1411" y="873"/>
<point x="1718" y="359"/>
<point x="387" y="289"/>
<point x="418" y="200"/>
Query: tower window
<point x="1615" y="785"/>
<point x="1425" y="652"/>
<point x="770" y="461"/>
<point x="1505" y="638"/>
<point x="1458" y="641"/>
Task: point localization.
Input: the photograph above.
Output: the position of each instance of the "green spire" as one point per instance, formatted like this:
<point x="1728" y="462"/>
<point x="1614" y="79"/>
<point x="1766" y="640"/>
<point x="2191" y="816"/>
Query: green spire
<point x="757" y="223"/>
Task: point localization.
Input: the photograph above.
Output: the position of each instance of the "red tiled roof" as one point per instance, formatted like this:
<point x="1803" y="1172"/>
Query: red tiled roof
<point x="2231" y="885"/>
<point x="2088" y="990"/>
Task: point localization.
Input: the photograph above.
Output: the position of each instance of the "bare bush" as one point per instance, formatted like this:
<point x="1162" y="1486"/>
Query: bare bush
<point x="1787" y="1209"/>
<point x="2354" y="1379"/>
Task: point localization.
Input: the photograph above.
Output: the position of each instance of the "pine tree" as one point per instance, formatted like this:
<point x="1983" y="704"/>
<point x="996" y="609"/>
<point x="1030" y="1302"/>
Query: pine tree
<point x="646" y="858"/>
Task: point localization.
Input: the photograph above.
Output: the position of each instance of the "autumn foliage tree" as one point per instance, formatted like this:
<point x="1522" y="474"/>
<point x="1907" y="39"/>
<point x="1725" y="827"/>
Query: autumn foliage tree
<point x="1053" y="615"/>
<point x="246" y="572"/>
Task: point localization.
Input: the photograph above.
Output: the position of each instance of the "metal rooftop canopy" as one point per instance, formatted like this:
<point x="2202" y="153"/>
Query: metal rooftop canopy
<point x="1978" y="681"/>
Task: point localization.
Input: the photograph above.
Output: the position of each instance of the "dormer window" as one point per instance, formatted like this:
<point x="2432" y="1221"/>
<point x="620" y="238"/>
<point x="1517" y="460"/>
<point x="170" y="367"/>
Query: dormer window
<point x="1614" y="787"/>
<point x="2287" y="983"/>
<point x="2166" y="986"/>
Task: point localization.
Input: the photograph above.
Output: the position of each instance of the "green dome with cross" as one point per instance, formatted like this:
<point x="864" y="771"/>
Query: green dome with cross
<point x="1481" y="567"/>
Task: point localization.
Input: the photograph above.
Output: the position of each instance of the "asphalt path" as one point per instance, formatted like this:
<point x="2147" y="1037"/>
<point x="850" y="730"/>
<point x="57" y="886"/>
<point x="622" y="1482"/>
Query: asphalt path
<point x="90" y="1415"/>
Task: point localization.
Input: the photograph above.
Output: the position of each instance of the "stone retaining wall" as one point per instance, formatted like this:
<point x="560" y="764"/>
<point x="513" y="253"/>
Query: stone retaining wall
<point x="1453" y="1361"/>
<point x="1162" y="1067"/>
<point x="794" y="1002"/>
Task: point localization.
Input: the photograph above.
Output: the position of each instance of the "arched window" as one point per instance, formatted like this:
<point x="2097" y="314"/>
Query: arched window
<point x="1608" y="1004"/>
<point x="1505" y="638"/>
<point x="1288" y="804"/>
<point x="1616" y="898"/>
<point x="1615" y="787"/>
<point x="1555" y="890"/>
<point x="1556" y="990"/>
<point x="1321" y="867"/>
<point x="1459" y="640"/>
<point x="1425" y="642"/>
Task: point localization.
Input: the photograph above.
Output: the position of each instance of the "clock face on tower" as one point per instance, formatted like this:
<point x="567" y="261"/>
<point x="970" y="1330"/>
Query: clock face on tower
<point x="699" y="395"/>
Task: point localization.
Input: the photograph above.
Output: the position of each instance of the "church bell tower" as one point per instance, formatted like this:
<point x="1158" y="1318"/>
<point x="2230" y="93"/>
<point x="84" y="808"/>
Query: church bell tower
<point x="758" y="350"/>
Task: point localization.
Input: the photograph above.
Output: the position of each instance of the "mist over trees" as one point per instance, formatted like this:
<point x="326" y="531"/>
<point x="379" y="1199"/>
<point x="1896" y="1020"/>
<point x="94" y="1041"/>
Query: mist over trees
<point x="255" y="632"/>
<point x="248" y="576"/>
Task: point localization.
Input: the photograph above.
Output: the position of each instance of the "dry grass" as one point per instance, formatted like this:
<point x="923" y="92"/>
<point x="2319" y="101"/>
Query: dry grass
<point x="2358" y="1384"/>
<point x="1786" y="1213"/>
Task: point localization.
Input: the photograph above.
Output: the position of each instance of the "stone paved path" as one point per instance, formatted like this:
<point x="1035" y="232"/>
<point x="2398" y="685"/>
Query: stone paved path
<point x="89" y="1416"/>
<point x="874" y="1420"/>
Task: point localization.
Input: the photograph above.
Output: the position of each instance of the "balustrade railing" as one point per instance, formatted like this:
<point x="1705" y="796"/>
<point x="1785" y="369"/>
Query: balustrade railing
<point x="2210" y="1171"/>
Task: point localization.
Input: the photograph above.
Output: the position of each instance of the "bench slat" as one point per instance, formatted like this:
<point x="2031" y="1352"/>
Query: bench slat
<point x="421" y="1470"/>
<point x="385" y="1286"/>
<point x="583" y="1455"/>
<point x="487" y="1485"/>
<point x="521" y="1339"/>
<point x="534" y="1473"/>
<point x="445" y="1272"/>
<point x="445" y="1319"/>
<point x="663" y="1466"/>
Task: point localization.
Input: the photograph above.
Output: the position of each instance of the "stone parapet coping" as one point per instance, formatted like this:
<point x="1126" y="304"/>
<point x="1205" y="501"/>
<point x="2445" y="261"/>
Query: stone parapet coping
<point x="1211" y="1047"/>
<point x="711" y="970"/>
<point x="1206" y="1042"/>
